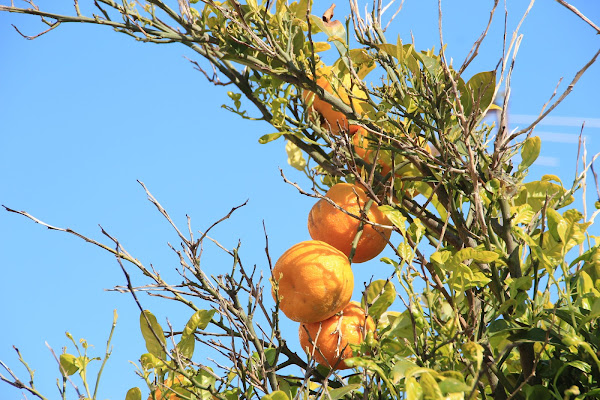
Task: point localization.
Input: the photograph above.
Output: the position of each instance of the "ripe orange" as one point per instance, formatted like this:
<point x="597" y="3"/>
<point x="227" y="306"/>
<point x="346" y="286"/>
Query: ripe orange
<point x="384" y="159"/>
<point x="314" y="279"/>
<point x="169" y="395"/>
<point x="335" y="334"/>
<point x="333" y="120"/>
<point x="331" y="225"/>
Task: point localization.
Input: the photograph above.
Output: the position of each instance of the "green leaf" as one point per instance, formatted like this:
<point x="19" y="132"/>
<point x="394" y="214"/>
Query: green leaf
<point x="534" y="194"/>
<point x="395" y="217"/>
<point x="381" y="295"/>
<point x="232" y="394"/>
<point x="479" y="92"/>
<point x="530" y="152"/>
<point x="69" y="364"/>
<point x="149" y="361"/>
<point x="388" y="48"/>
<point x="537" y="392"/>
<point x="416" y="230"/>
<point x="153" y="334"/>
<point x="362" y="62"/>
<point x="321" y="46"/>
<point x="334" y="30"/>
<point x="473" y="351"/>
<point x="134" y="394"/>
<point x="205" y="380"/>
<point x="187" y="345"/>
<point x="286" y="387"/>
<point x="399" y="371"/>
<point x="431" y="389"/>
<point x="335" y="394"/>
<point x="414" y="391"/>
<point x="556" y="225"/>
<point x="295" y="157"/>
<point x="406" y="252"/>
<point x="270" y="137"/>
<point x="440" y="257"/>
<point x="277" y="395"/>
<point x="477" y="255"/>
<point x="199" y="320"/>
<point x="451" y="385"/>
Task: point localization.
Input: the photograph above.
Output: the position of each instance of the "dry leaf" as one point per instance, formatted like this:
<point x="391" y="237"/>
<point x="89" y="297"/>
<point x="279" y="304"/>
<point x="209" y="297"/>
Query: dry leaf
<point x="327" y="15"/>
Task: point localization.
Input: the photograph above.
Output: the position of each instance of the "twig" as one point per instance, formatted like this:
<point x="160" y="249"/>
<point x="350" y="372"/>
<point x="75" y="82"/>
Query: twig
<point x="567" y="91"/>
<point x="579" y="14"/>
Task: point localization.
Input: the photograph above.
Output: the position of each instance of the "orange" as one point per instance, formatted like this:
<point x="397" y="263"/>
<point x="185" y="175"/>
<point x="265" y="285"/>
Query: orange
<point x="334" y="120"/>
<point x="384" y="158"/>
<point x="331" y="225"/>
<point x="169" y="395"/>
<point x="335" y="334"/>
<point x="314" y="280"/>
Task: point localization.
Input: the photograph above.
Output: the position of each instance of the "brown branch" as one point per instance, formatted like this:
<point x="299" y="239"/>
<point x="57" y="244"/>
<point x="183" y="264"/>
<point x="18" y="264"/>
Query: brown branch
<point x="579" y="14"/>
<point x="567" y="91"/>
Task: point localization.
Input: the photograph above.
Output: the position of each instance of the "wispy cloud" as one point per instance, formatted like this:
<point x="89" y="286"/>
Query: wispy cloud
<point x="555" y="121"/>
<point x="544" y="161"/>
<point x="557" y="137"/>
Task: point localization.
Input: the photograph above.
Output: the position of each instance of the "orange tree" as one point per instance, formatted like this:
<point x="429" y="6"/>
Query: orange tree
<point x="495" y="285"/>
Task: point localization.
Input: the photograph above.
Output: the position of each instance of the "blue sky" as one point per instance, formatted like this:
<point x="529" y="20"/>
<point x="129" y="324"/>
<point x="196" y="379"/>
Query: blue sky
<point x="86" y="112"/>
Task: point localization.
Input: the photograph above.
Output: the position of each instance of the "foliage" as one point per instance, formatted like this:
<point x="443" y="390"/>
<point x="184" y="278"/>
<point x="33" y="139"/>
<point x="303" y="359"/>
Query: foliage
<point x="496" y="283"/>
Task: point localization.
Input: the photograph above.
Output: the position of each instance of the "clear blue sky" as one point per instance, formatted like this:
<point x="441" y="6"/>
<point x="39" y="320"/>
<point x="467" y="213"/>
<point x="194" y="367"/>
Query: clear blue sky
<point x="86" y="111"/>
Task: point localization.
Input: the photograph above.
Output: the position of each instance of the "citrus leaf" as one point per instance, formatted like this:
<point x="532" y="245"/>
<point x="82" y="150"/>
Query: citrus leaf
<point x="321" y="46"/>
<point x="406" y="252"/>
<point x="134" y="394"/>
<point x="400" y="368"/>
<point x="381" y="295"/>
<point x="451" y="385"/>
<point x="149" y="361"/>
<point x="295" y="157"/>
<point x="473" y="352"/>
<point x="414" y="391"/>
<point x="269" y="137"/>
<point x="205" y="380"/>
<point x="395" y="217"/>
<point x="530" y="152"/>
<point x="431" y="389"/>
<point x="153" y="334"/>
<point x="277" y="395"/>
<point x="390" y="49"/>
<point x="479" y="91"/>
<point x="534" y="194"/>
<point x="335" y="394"/>
<point x="477" y="255"/>
<point x="69" y="364"/>
<point x="199" y="320"/>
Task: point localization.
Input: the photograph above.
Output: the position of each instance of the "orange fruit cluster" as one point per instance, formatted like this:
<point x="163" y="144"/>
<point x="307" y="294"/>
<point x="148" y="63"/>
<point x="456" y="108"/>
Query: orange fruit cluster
<point x="336" y="121"/>
<point x="313" y="280"/>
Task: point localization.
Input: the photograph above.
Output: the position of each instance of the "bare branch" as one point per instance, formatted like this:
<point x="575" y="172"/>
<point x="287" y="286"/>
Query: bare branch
<point x="567" y="91"/>
<point x="579" y="14"/>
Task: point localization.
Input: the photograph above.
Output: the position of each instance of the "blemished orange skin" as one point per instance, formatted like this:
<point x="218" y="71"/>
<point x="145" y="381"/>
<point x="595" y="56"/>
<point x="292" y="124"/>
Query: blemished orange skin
<point x="335" y="120"/>
<point x="315" y="281"/>
<point x="335" y="335"/>
<point x="331" y="225"/>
